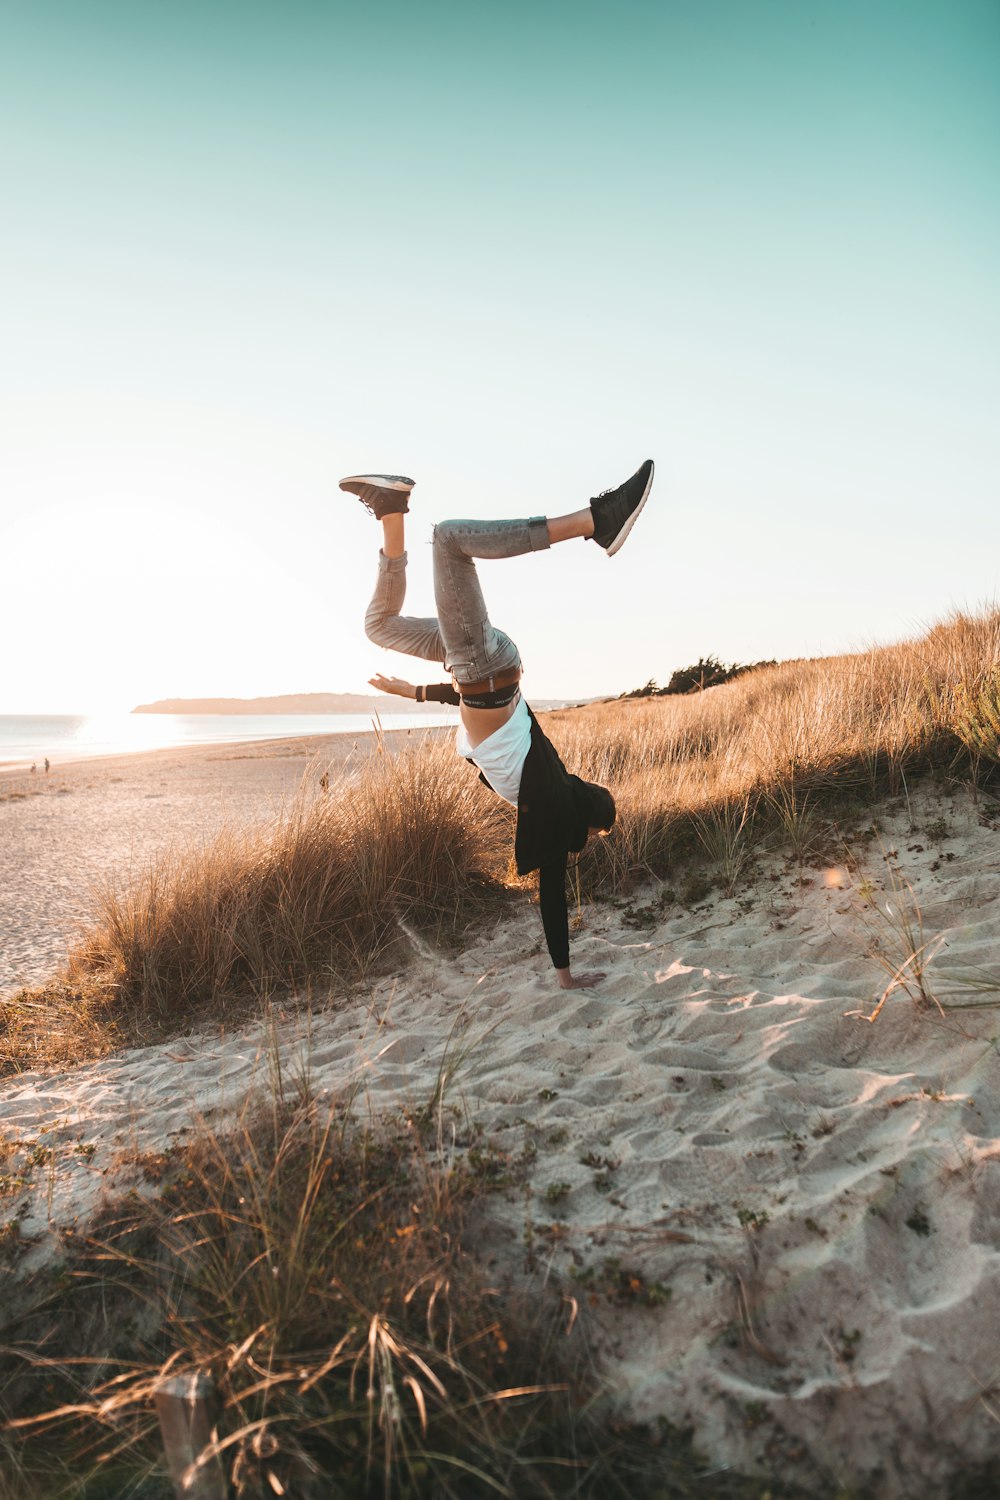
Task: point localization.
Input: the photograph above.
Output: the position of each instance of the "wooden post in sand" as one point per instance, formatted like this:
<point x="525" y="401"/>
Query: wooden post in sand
<point x="184" y="1406"/>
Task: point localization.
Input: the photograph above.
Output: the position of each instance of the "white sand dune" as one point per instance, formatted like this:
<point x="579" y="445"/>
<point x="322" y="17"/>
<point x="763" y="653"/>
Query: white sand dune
<point x="818" y="1197"/>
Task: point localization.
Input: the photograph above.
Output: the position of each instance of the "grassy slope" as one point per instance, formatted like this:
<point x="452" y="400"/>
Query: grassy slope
<point x="417" y="845"/>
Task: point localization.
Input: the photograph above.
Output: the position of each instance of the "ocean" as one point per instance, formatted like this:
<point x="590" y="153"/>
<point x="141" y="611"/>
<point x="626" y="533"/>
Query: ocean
<point x="28" y="738"/>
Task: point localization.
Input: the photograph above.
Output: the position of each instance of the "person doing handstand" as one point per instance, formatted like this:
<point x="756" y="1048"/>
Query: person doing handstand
<point x="498" y="732"/>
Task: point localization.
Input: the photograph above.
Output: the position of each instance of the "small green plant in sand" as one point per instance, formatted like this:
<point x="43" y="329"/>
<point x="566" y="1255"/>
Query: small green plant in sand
<point x="613" y="1282"/>
<point x="493" y="1167"/>
<point x="751" y="1219"/>
<point x="598" y="1162"/>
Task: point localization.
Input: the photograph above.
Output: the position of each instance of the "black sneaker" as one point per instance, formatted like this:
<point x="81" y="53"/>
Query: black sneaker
<point x="384" y="494"/>
<point x="615" y="511"/>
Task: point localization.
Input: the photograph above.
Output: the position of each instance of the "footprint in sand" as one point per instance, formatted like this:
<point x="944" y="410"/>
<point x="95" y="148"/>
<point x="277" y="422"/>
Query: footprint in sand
<point x="645" y="1029"/>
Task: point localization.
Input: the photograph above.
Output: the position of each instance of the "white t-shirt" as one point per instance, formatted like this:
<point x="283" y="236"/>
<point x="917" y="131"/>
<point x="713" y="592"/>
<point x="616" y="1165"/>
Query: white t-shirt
<point x="502" y="754"/>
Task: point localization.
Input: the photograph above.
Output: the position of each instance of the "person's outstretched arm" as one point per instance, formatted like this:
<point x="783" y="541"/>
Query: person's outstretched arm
<point x="435" y="692"/>
<point x="555" y="921"/>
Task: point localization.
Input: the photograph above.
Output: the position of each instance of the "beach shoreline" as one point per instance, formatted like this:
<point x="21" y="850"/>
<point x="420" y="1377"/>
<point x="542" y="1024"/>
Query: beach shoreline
<point x="314" y="744"/>
<point x="65" y="740"/>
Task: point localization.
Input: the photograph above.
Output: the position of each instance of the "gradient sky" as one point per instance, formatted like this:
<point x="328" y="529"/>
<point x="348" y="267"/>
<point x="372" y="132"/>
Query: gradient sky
<point x="511" y="250"/>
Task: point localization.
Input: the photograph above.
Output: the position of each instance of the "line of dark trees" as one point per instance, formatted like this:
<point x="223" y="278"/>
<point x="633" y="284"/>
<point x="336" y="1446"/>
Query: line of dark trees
<point x="707" y="672"/>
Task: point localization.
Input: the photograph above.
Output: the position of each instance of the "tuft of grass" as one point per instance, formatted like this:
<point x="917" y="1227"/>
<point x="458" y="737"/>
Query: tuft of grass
<point x="724" y="835"/>
<point x="798" y="827"/>
<point x="900" y="944"/>
<point x="977" y="715"/>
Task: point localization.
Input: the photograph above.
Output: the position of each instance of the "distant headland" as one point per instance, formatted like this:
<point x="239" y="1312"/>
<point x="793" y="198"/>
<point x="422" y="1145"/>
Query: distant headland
<point x="285" y="703"/>
<point x="315" y="703"/>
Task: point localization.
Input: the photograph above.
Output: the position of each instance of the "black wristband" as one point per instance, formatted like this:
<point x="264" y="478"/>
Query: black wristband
<point x="440" y="692"/>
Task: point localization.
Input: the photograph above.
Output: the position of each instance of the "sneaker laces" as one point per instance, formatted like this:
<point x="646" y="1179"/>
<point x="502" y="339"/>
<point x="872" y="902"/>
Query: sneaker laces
<point x="369" y="505"/>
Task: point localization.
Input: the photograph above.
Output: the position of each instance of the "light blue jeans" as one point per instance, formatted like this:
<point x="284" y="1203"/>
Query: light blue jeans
<point x="461" y="636"/>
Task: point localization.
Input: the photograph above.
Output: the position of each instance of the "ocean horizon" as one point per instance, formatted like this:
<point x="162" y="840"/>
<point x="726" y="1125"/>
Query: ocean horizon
<point x="27" y="739"/>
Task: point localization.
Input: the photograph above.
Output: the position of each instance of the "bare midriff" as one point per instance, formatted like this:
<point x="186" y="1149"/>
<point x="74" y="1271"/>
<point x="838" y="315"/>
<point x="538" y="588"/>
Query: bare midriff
<point x="480" y="723"/>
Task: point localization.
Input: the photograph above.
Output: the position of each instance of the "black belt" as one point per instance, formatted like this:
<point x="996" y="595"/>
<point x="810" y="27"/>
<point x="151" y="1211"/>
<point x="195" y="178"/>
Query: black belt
<point x="509" y="677"/>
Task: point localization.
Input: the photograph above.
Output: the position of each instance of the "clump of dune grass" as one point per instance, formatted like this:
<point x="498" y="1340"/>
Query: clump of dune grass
<point x="62" y="1022"/>
<point x="339" y="882"/>
<point x="977" y="716"/>
<point x="316" y="1270"/>
<point x="325" y="891"/>
<point x="900" y="944"/>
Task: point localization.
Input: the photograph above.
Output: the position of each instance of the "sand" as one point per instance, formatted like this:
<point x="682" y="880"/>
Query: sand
<point x="813" y="1199"/>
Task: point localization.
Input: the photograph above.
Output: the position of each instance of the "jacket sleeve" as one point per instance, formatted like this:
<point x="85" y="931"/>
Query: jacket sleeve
<point x="439" y="692"/>
<point x="555" y="917"/>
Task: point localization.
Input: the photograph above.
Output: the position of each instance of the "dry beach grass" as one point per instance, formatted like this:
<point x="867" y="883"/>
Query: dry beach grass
<point x="797" y="1210"/>
<point x="407" y="847"/>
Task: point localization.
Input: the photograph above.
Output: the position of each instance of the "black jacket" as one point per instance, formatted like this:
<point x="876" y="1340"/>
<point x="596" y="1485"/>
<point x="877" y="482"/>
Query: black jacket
<point x="550" y="823"/>
<point x="550" y="827"/>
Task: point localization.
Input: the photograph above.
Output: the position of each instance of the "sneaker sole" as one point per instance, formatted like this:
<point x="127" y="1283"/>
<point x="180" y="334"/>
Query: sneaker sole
<point x="613" y="546"/>
<point x="378" y="482"/>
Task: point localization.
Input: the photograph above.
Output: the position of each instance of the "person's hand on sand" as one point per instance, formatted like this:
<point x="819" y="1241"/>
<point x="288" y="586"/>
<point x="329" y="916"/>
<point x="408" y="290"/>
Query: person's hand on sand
<point x="397" y="685"/>
<point x="570" y="981"/>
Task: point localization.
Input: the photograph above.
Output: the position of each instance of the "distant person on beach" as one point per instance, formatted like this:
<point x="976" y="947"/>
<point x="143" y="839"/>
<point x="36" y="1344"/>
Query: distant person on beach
<point x="46" y="765"/>
<point x="556" y="811"/>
